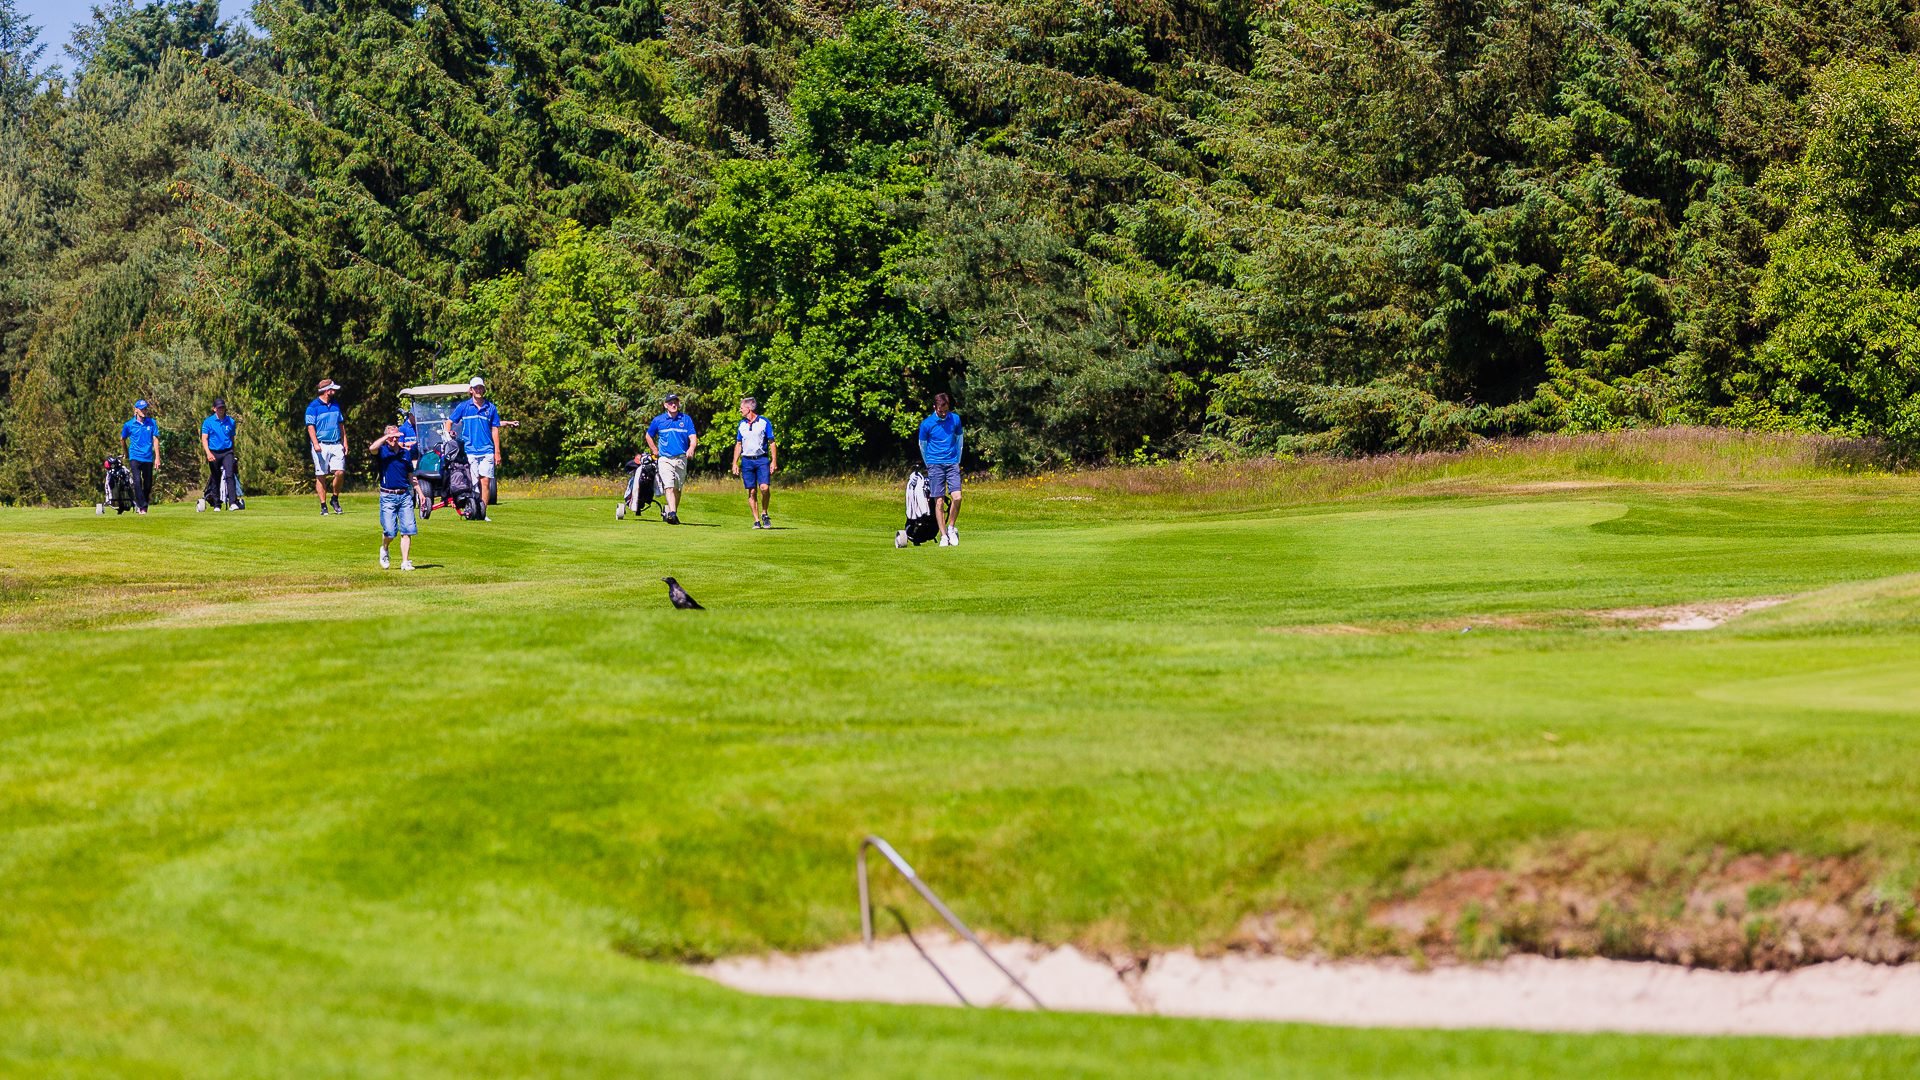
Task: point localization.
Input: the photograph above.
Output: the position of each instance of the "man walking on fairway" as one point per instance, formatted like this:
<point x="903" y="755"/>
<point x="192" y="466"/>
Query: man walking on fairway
<point x="216" y="440"/>
<point x="672" y="439"/>
<point x="479" y="424"/>
<point x="756" y="457"/>
<point x="325" y="440"/>
<point x="393" y="460"/>
<point x="940" y="445"/>
<point x="140" y="445"/>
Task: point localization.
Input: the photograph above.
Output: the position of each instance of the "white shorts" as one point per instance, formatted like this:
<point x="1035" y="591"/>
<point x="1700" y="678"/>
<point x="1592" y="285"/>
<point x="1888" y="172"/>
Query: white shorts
<point x="480" y="465"/>
<point x="670" y="472"/>
<point x="329" y="457"/>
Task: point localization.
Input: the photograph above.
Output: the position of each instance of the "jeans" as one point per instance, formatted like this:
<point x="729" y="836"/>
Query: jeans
<point x="142" y="482"/>
<point x="396" y="513"/>
<point x="221" y="479"/>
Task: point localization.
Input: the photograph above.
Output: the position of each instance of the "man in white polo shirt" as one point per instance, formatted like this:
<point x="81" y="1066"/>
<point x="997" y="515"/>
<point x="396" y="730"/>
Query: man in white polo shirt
<point x="756" y="457"/>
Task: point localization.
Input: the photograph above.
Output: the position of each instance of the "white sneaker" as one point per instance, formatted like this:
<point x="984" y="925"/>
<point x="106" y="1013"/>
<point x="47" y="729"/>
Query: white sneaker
<point x="944" y="542"/>
<point x="407" y="565"/>
<point x="953" y="537"/>
<point x="201" y="506"/>
<point x="384" y="560"/>
<point x="215" y="509"/>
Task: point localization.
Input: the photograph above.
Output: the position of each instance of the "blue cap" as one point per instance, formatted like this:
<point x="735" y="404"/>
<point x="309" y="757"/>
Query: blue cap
<point x="141" y="404"/>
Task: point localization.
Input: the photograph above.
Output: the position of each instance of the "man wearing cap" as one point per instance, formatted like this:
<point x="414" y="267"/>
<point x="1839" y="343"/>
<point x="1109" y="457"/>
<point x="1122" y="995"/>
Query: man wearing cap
<point x="393" y="459"/>
<point x="672" y="439"/>
<point x="324" y="436"/>
<point x="216" y="440"/>
<point x="140" y="443"/>
<point x="479" y="425"/>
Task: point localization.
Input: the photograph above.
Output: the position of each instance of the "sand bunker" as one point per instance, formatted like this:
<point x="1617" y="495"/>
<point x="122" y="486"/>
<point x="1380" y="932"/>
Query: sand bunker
<point x="1846" y="997"/>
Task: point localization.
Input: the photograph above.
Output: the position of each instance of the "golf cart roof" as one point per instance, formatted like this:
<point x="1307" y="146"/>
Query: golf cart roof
<point x="449" y="389"/>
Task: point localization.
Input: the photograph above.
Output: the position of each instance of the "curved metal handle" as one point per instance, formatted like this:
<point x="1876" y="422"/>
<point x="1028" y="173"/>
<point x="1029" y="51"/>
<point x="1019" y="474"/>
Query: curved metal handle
<point x="906" y="871"/>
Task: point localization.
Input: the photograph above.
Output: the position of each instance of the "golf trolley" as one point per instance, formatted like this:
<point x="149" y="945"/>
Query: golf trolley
<point x="642" y="487"/>
<point x="116" y="487"/>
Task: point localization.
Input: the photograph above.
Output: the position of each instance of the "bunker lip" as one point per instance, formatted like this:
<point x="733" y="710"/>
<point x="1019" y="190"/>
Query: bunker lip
<point x="1839" y="998"/>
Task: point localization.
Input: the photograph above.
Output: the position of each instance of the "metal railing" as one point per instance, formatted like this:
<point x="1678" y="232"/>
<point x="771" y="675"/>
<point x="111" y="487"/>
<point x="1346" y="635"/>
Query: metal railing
<point x="913" y="879"/>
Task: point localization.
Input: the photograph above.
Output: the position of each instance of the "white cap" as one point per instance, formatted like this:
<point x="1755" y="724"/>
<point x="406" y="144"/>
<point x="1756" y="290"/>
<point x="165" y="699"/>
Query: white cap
<point x="476" y="381"/>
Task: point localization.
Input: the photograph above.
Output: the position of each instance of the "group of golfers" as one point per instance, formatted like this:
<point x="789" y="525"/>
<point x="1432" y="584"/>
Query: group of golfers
<point x="671" y="437"/>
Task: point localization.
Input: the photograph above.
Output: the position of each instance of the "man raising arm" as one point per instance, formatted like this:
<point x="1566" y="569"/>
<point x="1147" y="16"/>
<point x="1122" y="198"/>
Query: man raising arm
<point x="394" y="461"/>
<point x="479" y="424"/>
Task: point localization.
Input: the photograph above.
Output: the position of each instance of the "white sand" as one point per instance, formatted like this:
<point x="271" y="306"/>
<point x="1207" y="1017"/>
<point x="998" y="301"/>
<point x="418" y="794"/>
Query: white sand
<point x="1848" y="997"/>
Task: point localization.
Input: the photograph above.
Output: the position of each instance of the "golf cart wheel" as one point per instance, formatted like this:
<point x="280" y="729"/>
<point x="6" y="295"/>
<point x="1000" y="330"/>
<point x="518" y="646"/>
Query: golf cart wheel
<point x="100" y="509"/>
<point x="620" y="512"/>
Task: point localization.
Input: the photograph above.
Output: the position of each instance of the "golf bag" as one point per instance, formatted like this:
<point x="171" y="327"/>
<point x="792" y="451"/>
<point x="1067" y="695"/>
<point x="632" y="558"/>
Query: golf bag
<point x="117" y="487"/>
<point x="921" y="526"/>
<point x="444" y="478"/>
<point x="641" y="488"/>
<point x="461" y="490"/>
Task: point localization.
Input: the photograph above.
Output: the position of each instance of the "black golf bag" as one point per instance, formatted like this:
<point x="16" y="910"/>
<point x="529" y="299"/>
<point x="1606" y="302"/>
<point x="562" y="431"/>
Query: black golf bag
<point x="445" y="479"/>
<point x="116" y="486"/>
<point x="464" y="493"/>
<point x="921" y="526"/>
<point x="642" y="486"/>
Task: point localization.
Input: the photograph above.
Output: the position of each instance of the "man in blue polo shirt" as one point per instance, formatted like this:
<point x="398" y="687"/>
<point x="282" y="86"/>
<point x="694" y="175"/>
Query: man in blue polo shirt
<point x="672" y="440"/>
<point x="327" y="441"/>
<point x="394" y="461"/>
<point x="216" y="441"/>
<point x="140" y="443"/>
<point x="478" y="423"/>
<point x="940" y="445"/>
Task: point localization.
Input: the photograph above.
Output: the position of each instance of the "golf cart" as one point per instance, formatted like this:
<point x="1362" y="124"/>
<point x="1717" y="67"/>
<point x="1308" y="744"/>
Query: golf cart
<point x="443" y="458"/>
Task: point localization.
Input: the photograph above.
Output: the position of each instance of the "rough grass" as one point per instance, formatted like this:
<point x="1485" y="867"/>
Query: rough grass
<point x="265" y="809"/>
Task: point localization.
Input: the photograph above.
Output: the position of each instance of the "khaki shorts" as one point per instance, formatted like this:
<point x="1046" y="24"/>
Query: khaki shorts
<point x="670" y="472"/>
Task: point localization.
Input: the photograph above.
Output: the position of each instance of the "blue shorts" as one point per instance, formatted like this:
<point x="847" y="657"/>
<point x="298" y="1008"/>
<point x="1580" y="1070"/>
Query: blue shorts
<point x="754" y="472"/>
<point x="396" y="514"/>
<point x="942" y="480"/>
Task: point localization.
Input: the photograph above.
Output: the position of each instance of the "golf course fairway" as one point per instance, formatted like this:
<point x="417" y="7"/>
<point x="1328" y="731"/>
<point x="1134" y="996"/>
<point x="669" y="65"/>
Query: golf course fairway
<point x="268" y="810"/>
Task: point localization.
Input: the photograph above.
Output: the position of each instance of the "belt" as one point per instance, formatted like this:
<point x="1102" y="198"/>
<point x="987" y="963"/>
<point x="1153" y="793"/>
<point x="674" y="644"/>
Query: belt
<point x="753" y="457"/>
<point x="393" y="491"/>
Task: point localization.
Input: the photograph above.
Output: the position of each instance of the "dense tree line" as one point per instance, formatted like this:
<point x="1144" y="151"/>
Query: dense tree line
<point x="1115" y="230"/>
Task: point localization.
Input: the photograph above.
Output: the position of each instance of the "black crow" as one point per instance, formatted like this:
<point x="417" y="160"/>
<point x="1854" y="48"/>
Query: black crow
<point x="679" y="596"/>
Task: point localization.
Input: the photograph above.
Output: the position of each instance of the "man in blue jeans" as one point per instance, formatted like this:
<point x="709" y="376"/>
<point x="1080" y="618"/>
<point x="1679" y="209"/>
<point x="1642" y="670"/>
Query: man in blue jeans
<point x="940" y="445"/>
<point x="393" y="461"/>
<point x="140" y="442"/>
<point x="216" y="441"/>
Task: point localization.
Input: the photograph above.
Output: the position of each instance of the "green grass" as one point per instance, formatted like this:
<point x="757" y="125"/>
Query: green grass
<point x="265" y="809"/>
